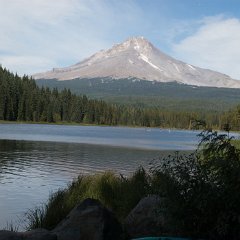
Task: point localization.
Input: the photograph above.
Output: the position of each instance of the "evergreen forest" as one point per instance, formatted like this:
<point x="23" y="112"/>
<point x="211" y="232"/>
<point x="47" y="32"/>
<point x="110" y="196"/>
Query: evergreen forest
<point x="21" y="99"/>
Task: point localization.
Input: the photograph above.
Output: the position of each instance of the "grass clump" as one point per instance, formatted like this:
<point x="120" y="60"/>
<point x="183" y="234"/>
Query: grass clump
<point x="118" y="193"/>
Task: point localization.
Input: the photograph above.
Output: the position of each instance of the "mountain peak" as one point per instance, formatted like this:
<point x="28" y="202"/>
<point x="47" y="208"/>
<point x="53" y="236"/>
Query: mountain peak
<point x="133" y="43"/>
<point x="136" y="43"/>
<point x="138" y="58"/>
<point x="137" y="40"/>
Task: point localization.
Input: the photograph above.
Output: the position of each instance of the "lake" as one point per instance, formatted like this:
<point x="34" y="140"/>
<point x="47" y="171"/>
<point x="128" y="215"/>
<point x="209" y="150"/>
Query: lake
<point x="36" y="159"/>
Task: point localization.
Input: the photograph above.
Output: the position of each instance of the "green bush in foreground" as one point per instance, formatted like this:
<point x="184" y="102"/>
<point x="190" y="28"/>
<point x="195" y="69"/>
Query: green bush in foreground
<point x="202" y="191"/>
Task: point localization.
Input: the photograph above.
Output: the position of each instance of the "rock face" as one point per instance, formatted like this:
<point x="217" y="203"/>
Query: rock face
<point x="36" y="234"/>
<point x="146" y="219"/>
<point x="89" y="221"/>
<point x="138" y="58"/>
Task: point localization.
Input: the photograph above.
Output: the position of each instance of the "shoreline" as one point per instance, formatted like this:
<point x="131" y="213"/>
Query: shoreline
<point x="97" y="125"/>
<point x="105" y="125"/>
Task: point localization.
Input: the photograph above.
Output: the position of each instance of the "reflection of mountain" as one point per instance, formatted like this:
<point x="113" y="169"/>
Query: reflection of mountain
<point x="138" y="58"/>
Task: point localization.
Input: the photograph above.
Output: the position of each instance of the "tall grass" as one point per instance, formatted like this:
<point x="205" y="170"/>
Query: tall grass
<point x="116" y="192"/>
<point x="11" y="227"/>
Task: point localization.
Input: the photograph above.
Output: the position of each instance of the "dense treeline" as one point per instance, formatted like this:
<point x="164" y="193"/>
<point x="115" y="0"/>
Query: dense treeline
<point x="22" y="100"/>
<point x="145" y="94"/>
<point x="232" y="117"/>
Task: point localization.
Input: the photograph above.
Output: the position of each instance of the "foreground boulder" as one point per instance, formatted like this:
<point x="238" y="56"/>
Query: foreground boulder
<point x="39" y="234"/>
<point x="9" y="235"/>
<point x="147" y="218"/>
<point x="89" y="221"/>
<point x="36" y="234"/>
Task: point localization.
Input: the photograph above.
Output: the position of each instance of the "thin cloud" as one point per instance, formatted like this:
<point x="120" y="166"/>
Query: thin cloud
<point x="23" y="62"/>
<point x="215" y="45"/>
<point x="62" y="32"/>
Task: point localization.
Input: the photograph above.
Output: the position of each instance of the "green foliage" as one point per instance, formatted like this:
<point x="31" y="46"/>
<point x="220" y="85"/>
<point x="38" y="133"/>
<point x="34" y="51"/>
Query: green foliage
<point x="22" y="100"/>
<point x="47" y="215"/>
<point x="147" y="94"/>
<point x="203" y="189"/>
<point x="232" y="118"/>
<point x="118" y="193"/>
<point x="236" y="143"/>
<point x="146" y="104"/>
<point x="179" y="104"/>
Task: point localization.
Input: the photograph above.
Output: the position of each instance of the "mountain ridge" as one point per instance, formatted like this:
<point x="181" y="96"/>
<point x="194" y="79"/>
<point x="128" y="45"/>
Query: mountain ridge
<point x="138" y="58"/>
<point x="146" y="94"/>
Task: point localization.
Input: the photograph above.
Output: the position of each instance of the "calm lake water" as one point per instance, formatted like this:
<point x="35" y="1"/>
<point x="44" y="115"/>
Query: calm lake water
<point x="36" y="160"/>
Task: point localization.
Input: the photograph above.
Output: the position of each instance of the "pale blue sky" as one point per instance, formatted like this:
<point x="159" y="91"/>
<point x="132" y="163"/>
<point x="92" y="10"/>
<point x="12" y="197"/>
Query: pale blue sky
<point x="38" y="35"/>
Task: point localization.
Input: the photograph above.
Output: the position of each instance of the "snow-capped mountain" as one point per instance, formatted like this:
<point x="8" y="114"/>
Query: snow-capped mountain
<point x="138" y="58"/>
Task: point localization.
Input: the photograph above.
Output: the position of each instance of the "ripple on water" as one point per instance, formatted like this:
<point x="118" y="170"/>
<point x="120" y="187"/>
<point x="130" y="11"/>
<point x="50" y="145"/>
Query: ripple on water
<point x="30" y="170"/>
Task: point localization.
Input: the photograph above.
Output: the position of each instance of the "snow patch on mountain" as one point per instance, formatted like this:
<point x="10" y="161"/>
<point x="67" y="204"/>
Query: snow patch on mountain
<point x="190" y="66"/>
<point x="176" y="67"/>
<point x="144" y="58"/>
<point x="138" y="58"/>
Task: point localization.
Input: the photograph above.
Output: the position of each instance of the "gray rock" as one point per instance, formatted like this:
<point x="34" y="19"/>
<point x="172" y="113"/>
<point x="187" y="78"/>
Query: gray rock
<point x="37" y="234"/>
<point x="147" y="218"/>
<point x="89" y="221"/>
<point x="9" y="235"/>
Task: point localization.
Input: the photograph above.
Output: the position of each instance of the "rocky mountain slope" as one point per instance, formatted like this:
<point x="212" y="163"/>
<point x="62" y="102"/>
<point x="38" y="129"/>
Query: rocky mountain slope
<point x="138" y="58"/>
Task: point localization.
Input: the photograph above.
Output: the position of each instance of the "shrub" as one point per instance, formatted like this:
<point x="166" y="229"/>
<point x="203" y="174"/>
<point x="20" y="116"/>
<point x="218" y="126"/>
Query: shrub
<point x="203" y="189"/>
